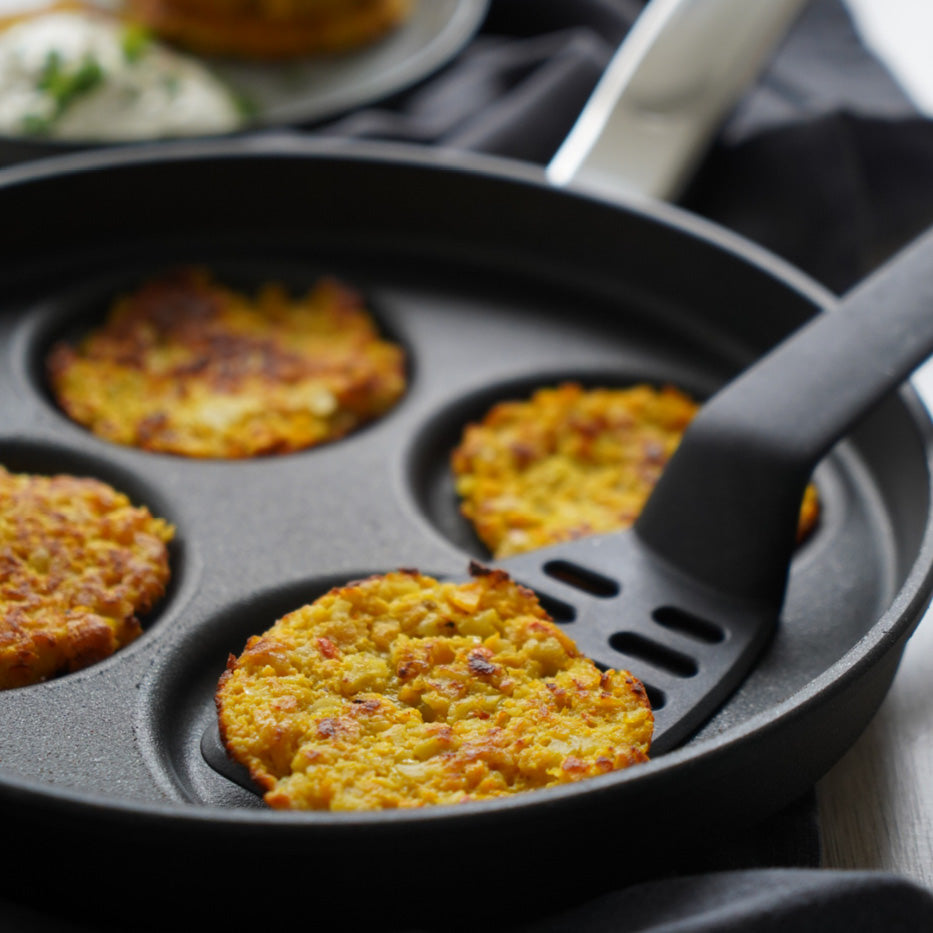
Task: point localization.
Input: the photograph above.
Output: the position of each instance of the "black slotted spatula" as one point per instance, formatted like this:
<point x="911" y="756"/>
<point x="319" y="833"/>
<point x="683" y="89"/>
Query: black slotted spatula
<point x="688" y="597"/>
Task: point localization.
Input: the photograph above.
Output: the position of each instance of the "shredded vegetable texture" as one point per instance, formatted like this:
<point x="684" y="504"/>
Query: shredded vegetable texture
<point x="569" y="462"/>
<point x="185" y="365"/>
<point x="78" y="565"/>
<point x="402" y="691"/>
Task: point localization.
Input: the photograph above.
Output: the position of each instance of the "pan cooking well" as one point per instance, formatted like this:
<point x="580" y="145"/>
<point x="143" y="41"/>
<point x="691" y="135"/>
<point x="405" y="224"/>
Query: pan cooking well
<point x="490" y="302"/>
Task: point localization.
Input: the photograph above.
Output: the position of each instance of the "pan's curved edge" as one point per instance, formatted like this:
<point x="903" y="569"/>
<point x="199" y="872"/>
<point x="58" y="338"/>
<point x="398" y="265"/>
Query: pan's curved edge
<point x="286" y="144"/>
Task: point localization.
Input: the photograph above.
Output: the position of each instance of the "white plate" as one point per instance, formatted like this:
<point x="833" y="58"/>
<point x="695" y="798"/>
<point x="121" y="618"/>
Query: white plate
<point x="310" y="90"/>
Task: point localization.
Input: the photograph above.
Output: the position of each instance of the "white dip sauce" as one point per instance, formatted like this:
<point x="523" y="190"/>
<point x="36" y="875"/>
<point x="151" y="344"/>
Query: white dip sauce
<point x="85" y="77"/>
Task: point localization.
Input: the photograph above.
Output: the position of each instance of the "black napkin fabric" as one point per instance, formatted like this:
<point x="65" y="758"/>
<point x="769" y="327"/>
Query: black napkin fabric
<point x="825" y="161"/>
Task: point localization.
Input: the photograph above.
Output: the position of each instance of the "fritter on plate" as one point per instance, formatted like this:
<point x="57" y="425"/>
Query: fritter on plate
<point x="270" y="29"/>
<point x="78" y="565"/>
<point x="570" y="462"/>
<point x="187" y="366"/>
<point x="402" y="691"/>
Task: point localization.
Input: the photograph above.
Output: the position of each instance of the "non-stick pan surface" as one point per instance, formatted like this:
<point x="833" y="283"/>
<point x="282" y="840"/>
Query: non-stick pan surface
<point x="496" y="283"/>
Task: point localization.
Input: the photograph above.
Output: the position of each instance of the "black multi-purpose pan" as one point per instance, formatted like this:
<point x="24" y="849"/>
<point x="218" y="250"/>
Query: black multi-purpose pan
<point x="496" y="282"/>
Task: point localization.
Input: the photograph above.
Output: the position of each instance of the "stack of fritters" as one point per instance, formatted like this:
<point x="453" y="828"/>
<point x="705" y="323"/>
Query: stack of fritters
<point x="270" y="29"/>
<point x="402" y="691"/>
<point x="78" y="564"/>
<point x="190" y="367"/>
<point x="570" y="462"/>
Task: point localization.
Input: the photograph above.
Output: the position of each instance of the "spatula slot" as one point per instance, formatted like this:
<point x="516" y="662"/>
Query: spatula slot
<point x="559" y="611"/>
<point x="654" y="653"/>
<point x="582" y="578"/>
<point x="657" y="698"/>
<point x="685" y="623"/>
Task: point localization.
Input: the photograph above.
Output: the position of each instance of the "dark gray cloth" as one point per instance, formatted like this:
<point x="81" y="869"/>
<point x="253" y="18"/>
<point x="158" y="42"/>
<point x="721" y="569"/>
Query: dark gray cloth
<point x="825" y="161"/>
<point x="756" y="901"/>
<point x="762" y="901"/>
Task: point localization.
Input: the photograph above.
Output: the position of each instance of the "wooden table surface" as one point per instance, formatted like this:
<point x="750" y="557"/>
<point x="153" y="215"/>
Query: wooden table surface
<point x="876" y="805"/>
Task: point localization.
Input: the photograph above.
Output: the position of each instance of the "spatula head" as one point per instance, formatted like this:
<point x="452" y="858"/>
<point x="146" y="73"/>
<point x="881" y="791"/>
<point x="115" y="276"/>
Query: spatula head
<point x="626" y="608"/>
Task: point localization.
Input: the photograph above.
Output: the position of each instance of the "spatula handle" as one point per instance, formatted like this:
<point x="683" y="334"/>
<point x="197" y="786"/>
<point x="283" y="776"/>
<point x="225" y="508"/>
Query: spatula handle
<point x="726" y="508"/>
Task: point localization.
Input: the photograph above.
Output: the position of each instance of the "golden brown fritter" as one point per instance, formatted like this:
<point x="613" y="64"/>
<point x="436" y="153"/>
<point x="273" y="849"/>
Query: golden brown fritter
<point x="187" y="366"/>
<point x="570" y="462"/>
<point x="402" y="691"/>
<point x="78" y="564"/>
<point x="270" y="29"/>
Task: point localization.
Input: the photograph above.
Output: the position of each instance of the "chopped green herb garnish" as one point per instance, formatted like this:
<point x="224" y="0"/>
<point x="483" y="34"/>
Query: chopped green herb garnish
<point x="246" y="107"/>
<point x="64" y="85"/>
<point x="134" y="42"/>
<point x="36" y="125"/>
<point x="172" y="85"/>
<point x="50" y="69"/>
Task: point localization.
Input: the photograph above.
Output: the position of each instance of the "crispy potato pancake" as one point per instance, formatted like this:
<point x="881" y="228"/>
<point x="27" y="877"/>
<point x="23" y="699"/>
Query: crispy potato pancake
<point x="78" y="564"/>
<point x="570" y="462"/>
<point x="187" y="366"/>
<point x="401" y="691"/>
<point x="270" y="29"/>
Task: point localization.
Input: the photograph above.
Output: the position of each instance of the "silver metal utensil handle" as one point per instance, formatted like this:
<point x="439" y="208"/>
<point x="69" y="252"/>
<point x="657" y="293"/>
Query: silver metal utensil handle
<point x="678" y="72"/>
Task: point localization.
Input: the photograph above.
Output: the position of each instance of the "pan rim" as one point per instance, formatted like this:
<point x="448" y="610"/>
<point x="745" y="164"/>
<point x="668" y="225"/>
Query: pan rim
<point x="891" y="628"/>
<point x="289" y="144"/>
